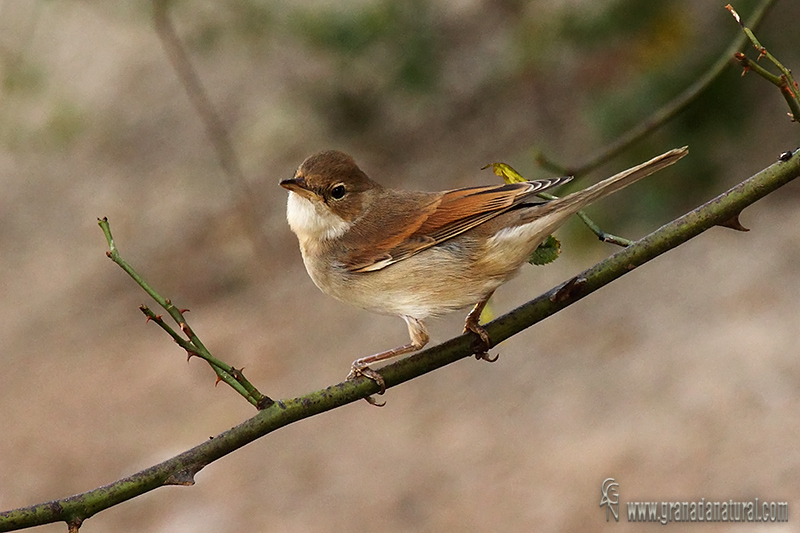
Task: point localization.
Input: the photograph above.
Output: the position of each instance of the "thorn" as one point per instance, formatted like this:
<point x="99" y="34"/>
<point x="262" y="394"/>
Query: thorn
<point x="568" y="290"/>
<point x="108" y="254"/>
<point x="733" y="223"/>
<point x="181" y="311"/>
<point x="741" y="58"/>
<point x="190" y="354"/>
<point x="219" y="378"/>
<point x="785" y="156"/>
<point x="184" y="477"/>
<point x="761" y="53"/>
<point x="785" y="87"/>
<point x="186" y="329"/>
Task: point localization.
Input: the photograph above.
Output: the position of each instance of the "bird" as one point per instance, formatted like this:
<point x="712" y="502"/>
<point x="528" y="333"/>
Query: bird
<point x="419" y="255"/>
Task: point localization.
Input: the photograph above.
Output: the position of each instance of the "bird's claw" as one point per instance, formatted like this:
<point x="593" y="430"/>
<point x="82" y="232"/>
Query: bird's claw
<point x="484" y="356"/>
<point x="367" y="372"/>
<point x="481" y="354"/>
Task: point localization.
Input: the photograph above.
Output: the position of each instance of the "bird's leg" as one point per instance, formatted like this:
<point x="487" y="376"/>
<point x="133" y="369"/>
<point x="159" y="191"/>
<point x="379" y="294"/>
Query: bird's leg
<point x="419" y="338"/>
<point x="472" y="324"/>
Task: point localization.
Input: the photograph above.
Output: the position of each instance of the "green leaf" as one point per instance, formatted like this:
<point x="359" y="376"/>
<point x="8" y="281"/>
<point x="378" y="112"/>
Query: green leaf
<point x="547" y="252"/>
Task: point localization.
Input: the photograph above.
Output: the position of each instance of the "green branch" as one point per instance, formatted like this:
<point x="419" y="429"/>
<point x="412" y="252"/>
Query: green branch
<point x="785" y="82"/>
<point x="194" y="346"/>
<point x="180" y="470"/>
<point x="661" y="115"/>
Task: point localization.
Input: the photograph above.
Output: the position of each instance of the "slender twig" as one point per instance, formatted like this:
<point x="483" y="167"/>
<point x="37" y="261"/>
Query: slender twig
<point x="510" y="175"/>
<point x="785" y="82"/>
<point x="601" y="234"/>
<point x="663" y="114"/>
<point x="181" y="469"/>
<point x="215" y="127"/>
<point x="225" y="372"/>
<point x="194" y="346"/>
<point x="592" y="225"/>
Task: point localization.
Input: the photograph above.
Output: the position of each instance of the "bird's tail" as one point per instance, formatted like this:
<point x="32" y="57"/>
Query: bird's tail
<point x="567" y="206"/>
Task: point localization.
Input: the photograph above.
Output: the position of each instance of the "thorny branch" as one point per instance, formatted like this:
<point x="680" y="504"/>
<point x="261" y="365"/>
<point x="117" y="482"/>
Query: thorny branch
<point x="180" y="470"/>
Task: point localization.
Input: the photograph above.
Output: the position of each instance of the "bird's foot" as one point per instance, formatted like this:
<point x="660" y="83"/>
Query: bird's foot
<point x="367" y="372"/>
<point x="482" y="353"/>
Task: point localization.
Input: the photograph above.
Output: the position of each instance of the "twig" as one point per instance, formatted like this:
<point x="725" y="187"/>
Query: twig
<point x="217" y="132"/>
<point x="194" y="346"/>
<point x="785" y="82"/>
<point x="510" y="175"/>
<point x="592" y="225"/>
<point x="660" y="116"/>
<point x="180" y="470"/>
<point x="603" y="235"/>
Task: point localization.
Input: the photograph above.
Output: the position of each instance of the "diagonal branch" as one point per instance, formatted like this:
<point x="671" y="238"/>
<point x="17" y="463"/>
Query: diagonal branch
<point x="180" y="470"/>
<point x="215" y="128"/>
<point x="662" y="115"/>
<point x="785" y="82"/>
<point x="194" y="346"/>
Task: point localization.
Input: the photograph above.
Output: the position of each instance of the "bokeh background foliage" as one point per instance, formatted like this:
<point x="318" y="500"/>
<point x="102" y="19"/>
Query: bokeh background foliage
<point x="677" y="380"/>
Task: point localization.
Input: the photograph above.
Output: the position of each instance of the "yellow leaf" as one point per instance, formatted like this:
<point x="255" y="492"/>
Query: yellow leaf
<point x="506" y="172"/>
<point x="487" y="315"/>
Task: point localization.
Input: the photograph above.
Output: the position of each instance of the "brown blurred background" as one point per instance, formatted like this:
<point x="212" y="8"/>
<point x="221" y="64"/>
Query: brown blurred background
<point x="681" y="380"/>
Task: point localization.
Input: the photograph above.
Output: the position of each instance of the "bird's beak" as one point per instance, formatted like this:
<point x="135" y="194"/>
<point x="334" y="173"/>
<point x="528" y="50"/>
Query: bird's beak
<point x="298" y="185"/>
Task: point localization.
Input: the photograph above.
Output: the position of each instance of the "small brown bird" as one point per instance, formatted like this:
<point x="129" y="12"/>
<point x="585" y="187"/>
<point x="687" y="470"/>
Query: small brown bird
<point x="423" y="254"/>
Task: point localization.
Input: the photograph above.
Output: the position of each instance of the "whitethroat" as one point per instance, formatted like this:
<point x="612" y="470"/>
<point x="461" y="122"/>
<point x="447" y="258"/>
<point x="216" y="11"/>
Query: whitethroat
<point x="422" y="254"/>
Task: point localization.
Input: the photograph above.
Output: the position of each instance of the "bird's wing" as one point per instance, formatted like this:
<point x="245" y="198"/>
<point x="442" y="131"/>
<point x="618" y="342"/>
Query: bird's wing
<point x="448" y="214"/>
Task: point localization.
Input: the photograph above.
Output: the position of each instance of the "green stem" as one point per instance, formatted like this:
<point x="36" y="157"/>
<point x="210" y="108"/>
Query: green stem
<point x="230" y="375"/>
<point x="663" y="114"/>
<point x="785" y="82"/>
<point x="602" y="235"/>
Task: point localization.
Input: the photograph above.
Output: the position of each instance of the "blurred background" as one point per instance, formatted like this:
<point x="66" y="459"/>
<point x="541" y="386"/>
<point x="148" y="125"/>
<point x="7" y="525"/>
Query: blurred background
<point x="680" y="380"/>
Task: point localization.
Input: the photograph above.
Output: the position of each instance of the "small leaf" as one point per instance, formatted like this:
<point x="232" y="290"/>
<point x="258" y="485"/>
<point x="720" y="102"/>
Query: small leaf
<point x="547" y="252"/>
<point x="487" y="315"/>
<point x="506" y="172"/>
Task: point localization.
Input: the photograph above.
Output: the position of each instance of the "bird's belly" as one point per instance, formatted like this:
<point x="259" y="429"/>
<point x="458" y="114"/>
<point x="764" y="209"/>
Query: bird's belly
<point x="431" y="283"/>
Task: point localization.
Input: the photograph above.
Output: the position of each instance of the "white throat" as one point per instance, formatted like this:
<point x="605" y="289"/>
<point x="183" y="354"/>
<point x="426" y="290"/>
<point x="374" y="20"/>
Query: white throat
<point x="312" y="220"/>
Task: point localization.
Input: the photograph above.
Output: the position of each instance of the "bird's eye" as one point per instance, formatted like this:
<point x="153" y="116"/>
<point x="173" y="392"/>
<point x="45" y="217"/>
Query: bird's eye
<point x="338" y="192"/>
